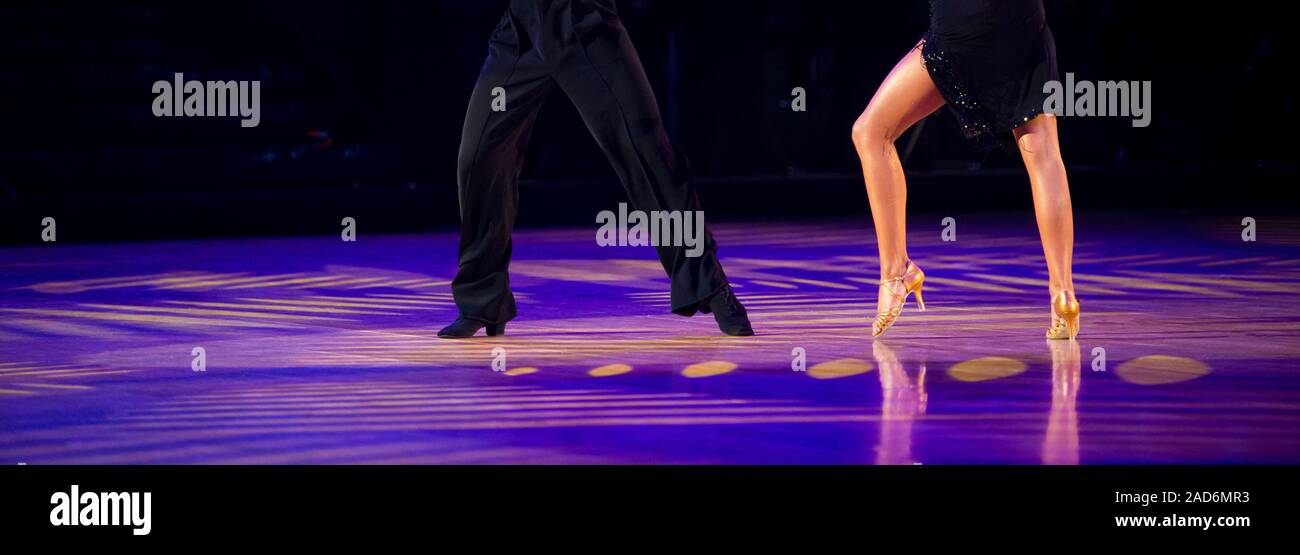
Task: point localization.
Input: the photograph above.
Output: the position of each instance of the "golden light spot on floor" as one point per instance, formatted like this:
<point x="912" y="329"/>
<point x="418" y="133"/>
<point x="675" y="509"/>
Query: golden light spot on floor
<point x="609" y="370"/>
<point x="1161" y="370"/>
<point x="986" y="368"/>
<point x="521" y="371"/>
<point x="708" y="369"/>
<point x="840" y="368"/>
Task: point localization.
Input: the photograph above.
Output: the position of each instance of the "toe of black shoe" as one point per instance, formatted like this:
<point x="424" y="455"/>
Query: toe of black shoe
<point x="460" y="329"/>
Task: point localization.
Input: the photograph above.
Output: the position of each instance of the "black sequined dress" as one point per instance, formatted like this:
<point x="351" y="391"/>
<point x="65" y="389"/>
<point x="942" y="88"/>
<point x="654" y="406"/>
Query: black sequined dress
<point x="990" y="59"/>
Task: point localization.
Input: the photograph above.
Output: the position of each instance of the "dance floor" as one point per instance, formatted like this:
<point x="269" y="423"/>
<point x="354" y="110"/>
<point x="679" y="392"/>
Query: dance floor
<point x="321" y="351"/>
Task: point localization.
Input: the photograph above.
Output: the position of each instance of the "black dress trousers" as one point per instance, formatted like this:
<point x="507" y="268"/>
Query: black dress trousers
<point x="581" y="48"/>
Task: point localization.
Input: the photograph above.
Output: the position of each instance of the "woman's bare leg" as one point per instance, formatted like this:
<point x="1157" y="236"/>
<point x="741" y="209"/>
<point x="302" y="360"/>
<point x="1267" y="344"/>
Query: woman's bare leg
<point x="906" y="96"/>
<point x="1042" y="156"/>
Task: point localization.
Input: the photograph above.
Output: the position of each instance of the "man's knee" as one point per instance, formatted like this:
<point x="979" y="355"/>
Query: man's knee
<point x="469" y="162"/>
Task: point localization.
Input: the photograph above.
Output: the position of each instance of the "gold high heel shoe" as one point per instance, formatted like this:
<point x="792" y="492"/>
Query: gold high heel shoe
<point x="1065" y="316"/>
<point x="912" y="279"/>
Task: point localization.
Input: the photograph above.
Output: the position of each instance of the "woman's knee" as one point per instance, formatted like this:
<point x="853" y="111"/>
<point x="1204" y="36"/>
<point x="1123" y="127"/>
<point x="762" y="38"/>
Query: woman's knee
<point x="1038" y="142"/>
<point x="1039" y="150"/>
<point x="874" y="127"/>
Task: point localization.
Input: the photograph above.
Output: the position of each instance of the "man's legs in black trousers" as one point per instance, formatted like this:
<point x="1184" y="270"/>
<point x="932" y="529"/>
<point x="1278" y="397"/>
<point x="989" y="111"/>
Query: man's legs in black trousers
<point x="581" y="46"/>
<point x="603" y="76"/>
<point x="511" y="87"/>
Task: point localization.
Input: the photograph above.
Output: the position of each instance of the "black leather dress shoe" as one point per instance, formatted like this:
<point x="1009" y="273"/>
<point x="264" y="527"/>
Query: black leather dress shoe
<point x="730" y="314"/>
<point x="464" y="327"/>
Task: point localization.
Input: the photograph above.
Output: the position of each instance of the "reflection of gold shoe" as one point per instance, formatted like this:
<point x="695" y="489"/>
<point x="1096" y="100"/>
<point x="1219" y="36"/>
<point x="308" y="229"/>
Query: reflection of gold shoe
<point x="911" y="280"/>
<point x="894" y="378"/>
<point x="902" y="402"/>
<point x="1065" y="316"/>
<point x="1061" y="443"/>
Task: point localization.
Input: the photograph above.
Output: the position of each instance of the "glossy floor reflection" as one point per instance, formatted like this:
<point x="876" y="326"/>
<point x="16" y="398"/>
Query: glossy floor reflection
<point x="319" y="351"/>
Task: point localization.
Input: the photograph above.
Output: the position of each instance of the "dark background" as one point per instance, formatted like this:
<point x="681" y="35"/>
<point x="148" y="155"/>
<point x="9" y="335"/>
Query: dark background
<point x="362" y="105"/>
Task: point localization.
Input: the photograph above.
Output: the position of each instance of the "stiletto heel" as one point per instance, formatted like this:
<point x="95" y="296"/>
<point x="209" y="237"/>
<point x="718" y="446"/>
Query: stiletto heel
<point x="1065" y="316"/>
<point x="494" y="330"/>
<point x="912" y="280"/>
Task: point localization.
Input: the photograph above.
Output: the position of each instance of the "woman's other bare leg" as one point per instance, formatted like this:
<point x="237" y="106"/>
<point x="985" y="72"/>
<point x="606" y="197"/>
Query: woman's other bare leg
<point x="906" y="95"/>
<point x="1042" y="156"/>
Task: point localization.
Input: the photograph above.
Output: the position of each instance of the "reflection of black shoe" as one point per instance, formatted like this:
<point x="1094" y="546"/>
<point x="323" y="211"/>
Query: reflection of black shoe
<point x="730" y="314"/>
<point x="464" y="327"/>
